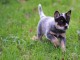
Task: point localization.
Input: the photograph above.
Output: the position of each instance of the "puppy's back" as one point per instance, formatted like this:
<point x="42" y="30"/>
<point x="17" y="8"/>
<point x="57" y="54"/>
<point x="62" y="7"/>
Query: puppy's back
<point x="46" y="23"/>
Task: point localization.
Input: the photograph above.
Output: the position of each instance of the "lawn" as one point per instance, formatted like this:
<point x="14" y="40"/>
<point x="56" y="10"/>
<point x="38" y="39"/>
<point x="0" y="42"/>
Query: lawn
<point x="18" y="24"/>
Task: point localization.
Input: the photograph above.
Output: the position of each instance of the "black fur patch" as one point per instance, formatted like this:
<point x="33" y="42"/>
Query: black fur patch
<point x="61" y="21"/>
<point x="57" y="31"/>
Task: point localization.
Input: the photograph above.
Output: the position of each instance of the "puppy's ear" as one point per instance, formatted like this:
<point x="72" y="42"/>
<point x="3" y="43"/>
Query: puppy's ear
<point x="68" y="13"/>
<point x="56" y="14"/>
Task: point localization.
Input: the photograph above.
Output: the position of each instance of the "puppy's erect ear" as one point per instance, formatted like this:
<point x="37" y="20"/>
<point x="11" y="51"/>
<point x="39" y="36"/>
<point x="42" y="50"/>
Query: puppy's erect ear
<point x="68" y="13"/>
<point x="56" y="14"/>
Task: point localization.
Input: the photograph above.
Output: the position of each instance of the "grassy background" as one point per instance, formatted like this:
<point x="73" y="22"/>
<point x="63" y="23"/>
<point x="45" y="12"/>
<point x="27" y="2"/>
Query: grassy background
<point x="18" y="22"/>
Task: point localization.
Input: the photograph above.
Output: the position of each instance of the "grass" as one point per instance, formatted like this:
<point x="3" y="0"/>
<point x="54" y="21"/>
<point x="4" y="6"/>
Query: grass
<point x="18" y="22"/>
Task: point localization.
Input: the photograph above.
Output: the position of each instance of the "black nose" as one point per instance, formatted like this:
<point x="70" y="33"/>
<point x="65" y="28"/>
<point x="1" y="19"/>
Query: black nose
<point x="65" y="27"/>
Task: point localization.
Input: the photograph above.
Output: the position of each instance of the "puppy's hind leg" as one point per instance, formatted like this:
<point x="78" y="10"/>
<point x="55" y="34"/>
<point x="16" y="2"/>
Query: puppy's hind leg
<point x="39" y="32"/>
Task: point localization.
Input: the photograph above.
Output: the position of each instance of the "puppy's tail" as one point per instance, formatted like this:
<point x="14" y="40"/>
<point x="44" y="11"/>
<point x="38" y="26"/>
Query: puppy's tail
<point x="40" y="11"/>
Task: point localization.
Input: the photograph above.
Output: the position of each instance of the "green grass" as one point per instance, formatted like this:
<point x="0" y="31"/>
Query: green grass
<point x="18" y="22"/>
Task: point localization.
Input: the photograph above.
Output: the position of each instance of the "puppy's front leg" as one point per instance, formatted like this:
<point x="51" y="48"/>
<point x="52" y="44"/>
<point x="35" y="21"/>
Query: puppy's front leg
<point x="53" y="39"/>
<point x="63" y="42"/>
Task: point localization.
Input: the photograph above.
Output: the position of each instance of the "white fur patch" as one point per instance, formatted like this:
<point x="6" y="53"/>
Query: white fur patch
<point x="67" y="25"/>
<point x="63" y="14"/>
<point x="59" y="27"/>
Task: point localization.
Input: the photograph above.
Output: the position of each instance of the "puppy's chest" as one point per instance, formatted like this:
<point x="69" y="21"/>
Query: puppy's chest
<point x="57" y="32"/>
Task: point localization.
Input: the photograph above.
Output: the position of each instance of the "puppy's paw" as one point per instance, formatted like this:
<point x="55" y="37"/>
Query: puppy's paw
<point x="63" y="47"/>
<point x="35" y="38"/>
<point x="56" y="42"/>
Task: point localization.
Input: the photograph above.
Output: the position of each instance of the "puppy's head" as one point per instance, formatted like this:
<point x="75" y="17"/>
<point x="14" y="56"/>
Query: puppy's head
<point x="62" y="20"/>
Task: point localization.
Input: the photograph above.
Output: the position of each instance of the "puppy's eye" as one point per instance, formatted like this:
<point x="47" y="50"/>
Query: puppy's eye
<point x="61" y="20"/>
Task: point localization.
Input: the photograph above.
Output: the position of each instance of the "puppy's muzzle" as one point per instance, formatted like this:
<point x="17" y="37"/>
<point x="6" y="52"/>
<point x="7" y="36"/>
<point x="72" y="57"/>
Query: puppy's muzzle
<point x="66" y="27"/>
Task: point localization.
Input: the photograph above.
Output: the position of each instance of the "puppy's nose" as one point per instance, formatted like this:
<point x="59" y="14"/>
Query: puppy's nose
<point x="66" y="27"/>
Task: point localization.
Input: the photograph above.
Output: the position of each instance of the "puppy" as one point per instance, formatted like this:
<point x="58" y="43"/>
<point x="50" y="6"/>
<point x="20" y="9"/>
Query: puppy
<point x="53" y="27"/>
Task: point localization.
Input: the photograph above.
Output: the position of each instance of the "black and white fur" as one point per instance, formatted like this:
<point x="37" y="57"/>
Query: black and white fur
<point x="53" y="27"/>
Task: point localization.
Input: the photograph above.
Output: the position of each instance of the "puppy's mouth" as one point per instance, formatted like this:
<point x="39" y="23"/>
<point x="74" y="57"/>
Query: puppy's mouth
<point x="61" y="27"/>
<point x="65" y="28"/>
